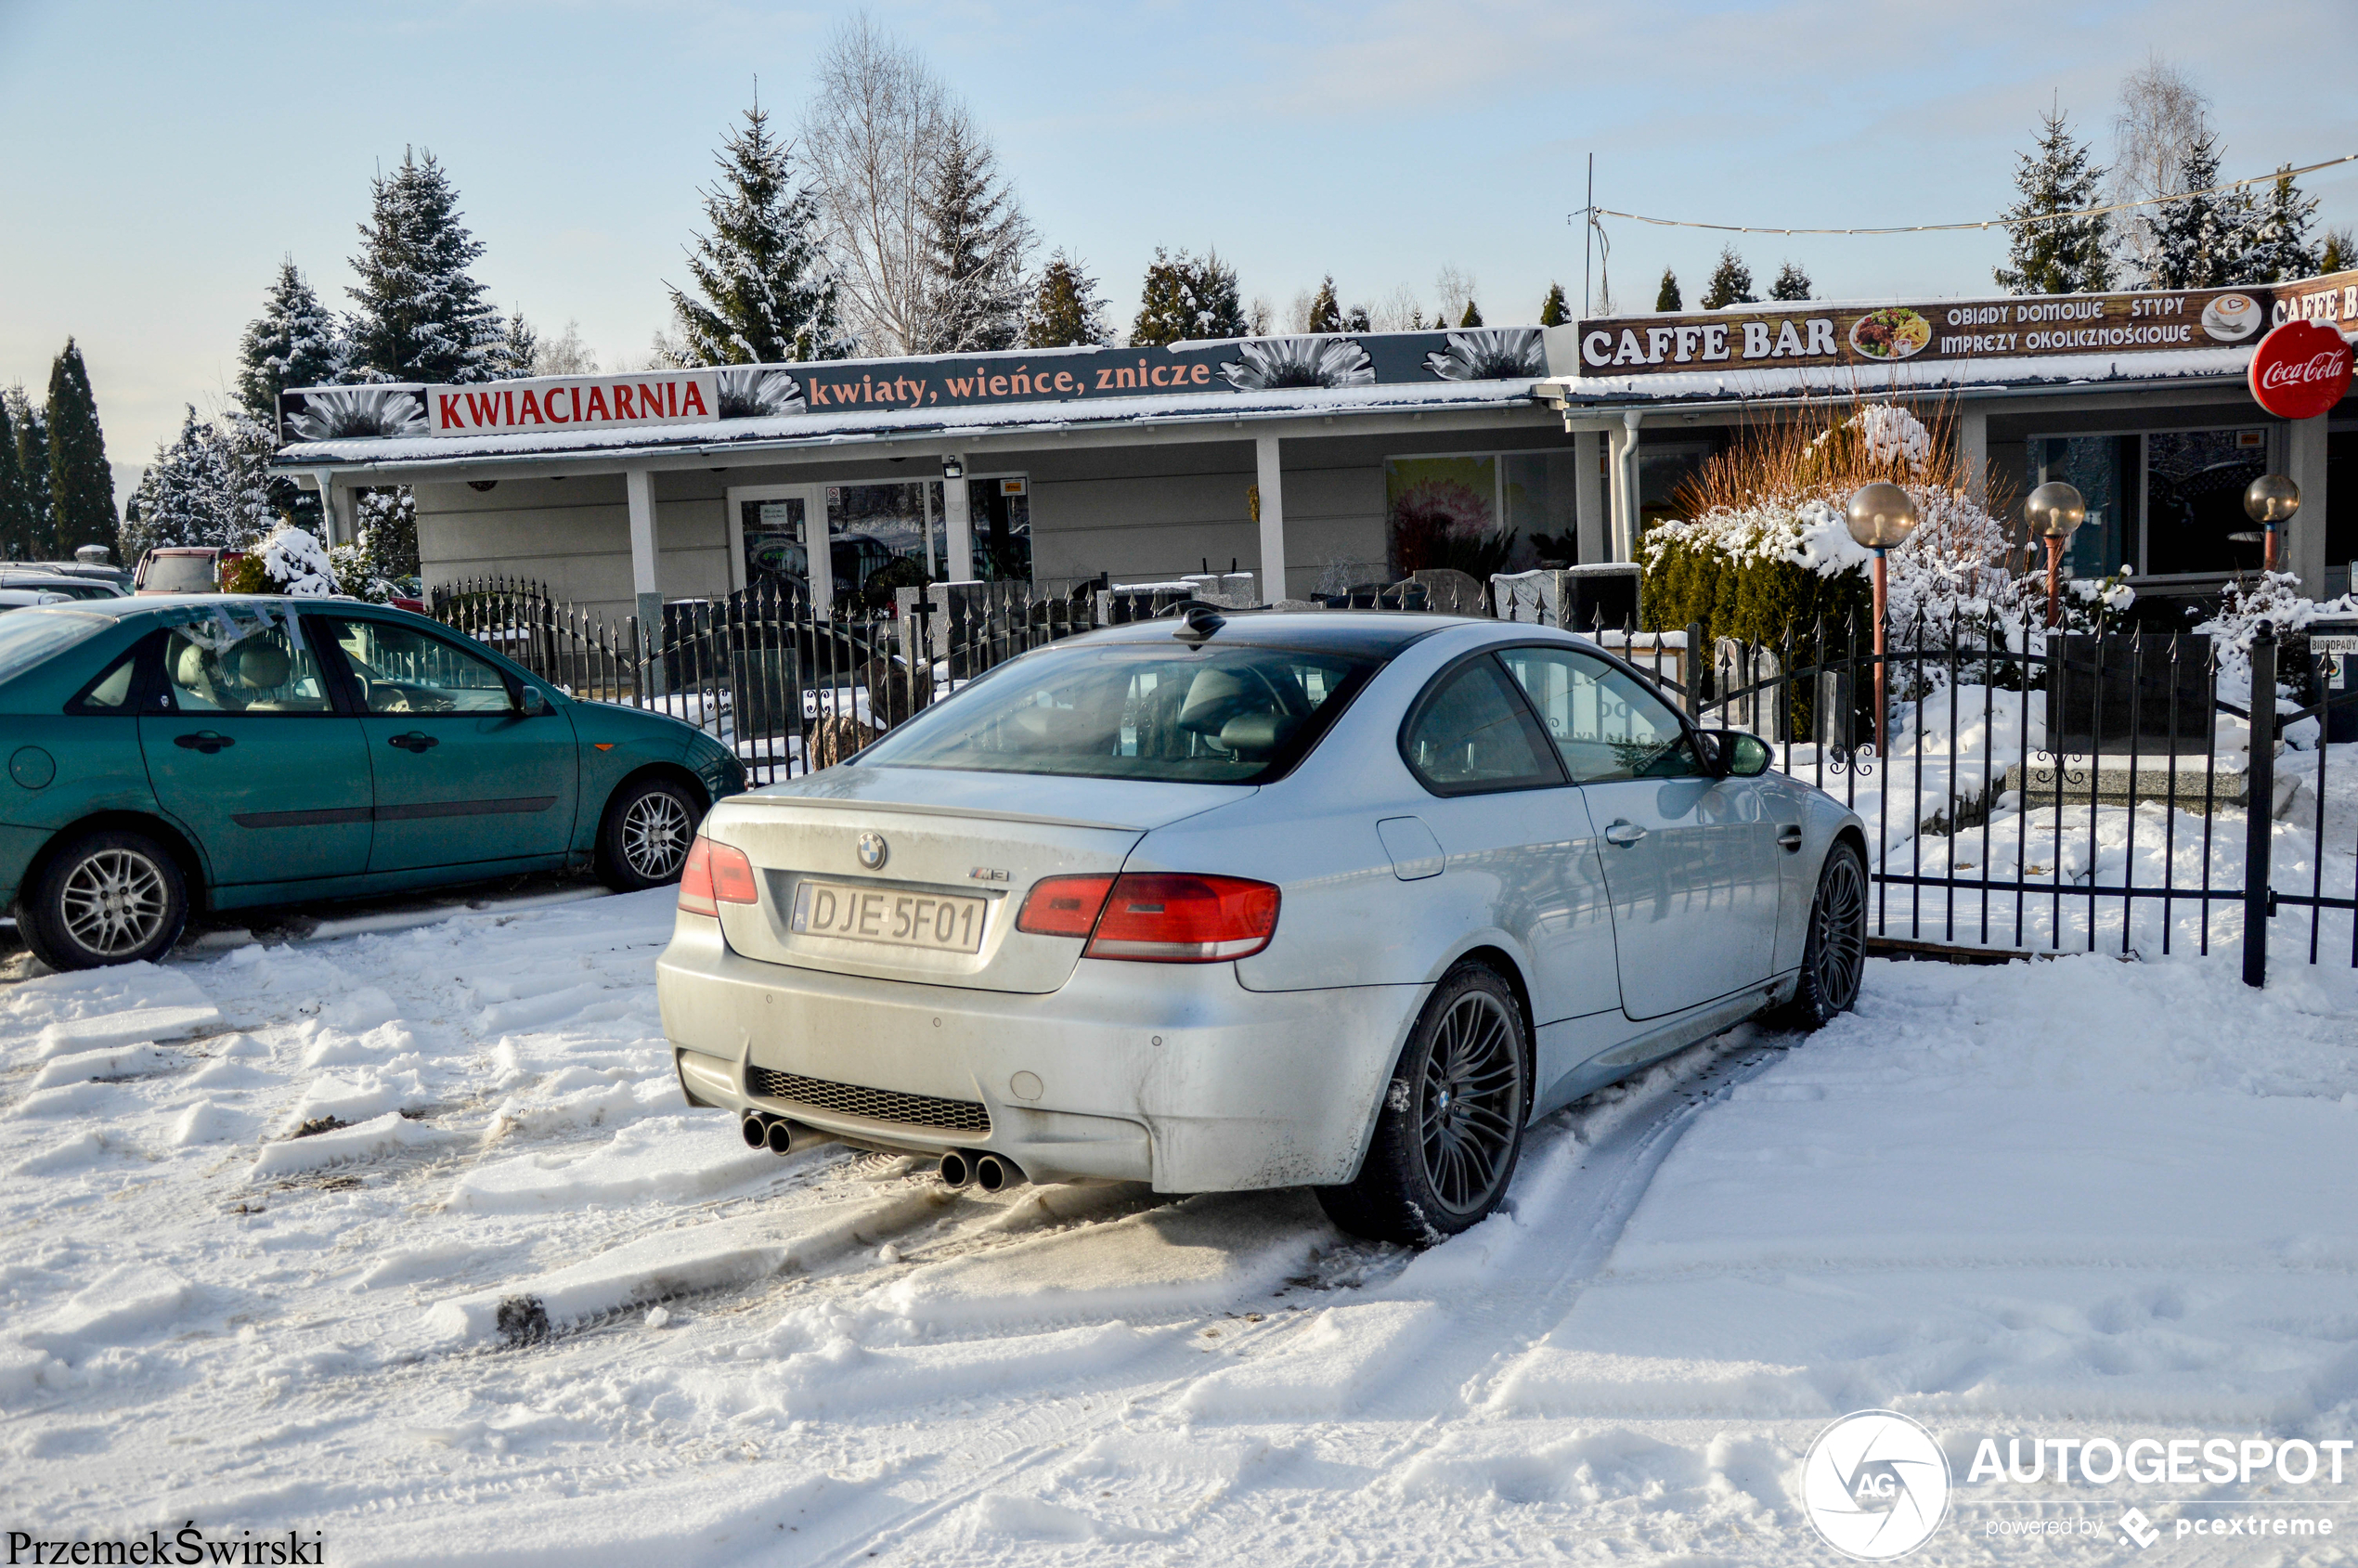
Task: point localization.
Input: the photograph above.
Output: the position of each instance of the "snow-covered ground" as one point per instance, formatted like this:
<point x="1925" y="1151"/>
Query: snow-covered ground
<point x="523" y="1306"/>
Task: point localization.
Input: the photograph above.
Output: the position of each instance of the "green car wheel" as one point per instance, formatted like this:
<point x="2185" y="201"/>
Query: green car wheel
<point x="107" y="898"/>
<point x="644" y="840"/>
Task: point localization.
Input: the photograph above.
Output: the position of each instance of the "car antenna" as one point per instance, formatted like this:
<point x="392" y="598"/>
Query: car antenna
<point x="1198" y="619"/>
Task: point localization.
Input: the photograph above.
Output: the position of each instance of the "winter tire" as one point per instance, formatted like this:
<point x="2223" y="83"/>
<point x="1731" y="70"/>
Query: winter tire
<point x="644" y="840"/>
<point x="1833" y="955"/>
<point x="1451" y="1127"/>
<point x="106" y="897"/>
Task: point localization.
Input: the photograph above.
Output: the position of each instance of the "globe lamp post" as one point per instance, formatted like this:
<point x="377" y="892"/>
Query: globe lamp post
<point x="2054" y="511"/>
<point x="2270" y="500"/>
<point x="1880" y="515"/>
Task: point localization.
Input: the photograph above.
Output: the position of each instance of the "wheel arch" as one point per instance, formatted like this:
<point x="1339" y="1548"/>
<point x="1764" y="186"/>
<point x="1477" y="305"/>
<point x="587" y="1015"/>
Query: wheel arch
<point x="672" y="772"/>
<point x="176" y="843"/>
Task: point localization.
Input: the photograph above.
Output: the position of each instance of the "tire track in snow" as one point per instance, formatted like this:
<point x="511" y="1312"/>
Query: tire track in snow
<point x="1610" y="1173"/>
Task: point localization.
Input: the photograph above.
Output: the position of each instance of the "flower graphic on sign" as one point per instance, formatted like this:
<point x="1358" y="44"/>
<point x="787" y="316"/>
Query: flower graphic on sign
<point x="1271" y="363"/>
<point x="333" y="412"/>
<point x="748" y="392"/>
<point x="1490" y="353"/>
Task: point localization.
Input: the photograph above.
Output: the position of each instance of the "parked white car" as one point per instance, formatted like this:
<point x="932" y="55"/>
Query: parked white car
<point x="1332" y="900"/>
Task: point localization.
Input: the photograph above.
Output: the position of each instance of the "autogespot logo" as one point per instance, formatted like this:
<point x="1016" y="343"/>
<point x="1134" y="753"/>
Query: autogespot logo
<point x="1875" y="1485"/>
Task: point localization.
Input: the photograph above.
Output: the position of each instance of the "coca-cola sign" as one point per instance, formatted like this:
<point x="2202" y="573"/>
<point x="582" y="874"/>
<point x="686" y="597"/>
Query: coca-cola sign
<point x="2301" y="370"/>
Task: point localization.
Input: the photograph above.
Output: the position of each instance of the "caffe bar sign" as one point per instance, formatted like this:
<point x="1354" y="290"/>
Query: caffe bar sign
<point x="542" y="405"/>
<point x="1799" y="335"/>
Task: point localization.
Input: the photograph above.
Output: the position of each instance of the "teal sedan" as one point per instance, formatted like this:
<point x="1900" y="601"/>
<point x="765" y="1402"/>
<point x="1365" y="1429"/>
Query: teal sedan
<point x="167" y="755"/>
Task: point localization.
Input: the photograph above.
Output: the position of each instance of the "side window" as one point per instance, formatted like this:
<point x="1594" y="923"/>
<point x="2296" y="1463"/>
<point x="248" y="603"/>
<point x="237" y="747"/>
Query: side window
<point x="1606" y="724"/>
<point x="401" y="670"/>
<point x="265" y="672"/>
<point x="1471" y="734"/>
<point x="115" y="690"/>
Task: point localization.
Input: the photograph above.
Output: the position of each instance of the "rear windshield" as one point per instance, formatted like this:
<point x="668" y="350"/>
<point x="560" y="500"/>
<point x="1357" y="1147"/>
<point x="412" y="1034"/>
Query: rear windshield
<point x="1174" y="714"/>
<point x="179" y="573"/>
<point x="30" y="636"/>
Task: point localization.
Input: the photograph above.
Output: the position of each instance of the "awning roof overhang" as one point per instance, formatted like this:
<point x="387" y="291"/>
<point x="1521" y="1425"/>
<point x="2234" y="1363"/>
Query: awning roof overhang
<point x="738" y="443"/>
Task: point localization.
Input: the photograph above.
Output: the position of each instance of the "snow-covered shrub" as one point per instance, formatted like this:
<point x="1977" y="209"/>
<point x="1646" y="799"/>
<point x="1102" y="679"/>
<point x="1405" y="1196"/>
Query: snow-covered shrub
<point x="293" y="561"/>
<point x="1764" y="551"/>
<point x="2244" y="603"/>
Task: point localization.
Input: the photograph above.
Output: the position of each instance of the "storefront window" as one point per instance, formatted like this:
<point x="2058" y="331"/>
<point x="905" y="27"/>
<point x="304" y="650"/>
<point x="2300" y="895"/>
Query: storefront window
<point x="776" y="549"/>
<point x="1443" y="511"/>
<point x="2096" y="467"/>
<point x="876" y="539"/>
<point x="1538" y="491"/>
<point x="2195" y="482"/>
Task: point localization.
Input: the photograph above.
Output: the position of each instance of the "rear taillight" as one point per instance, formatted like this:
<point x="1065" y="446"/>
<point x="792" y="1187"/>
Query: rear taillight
<point x="1161" y="917"/>
<point x="715" y="874"/>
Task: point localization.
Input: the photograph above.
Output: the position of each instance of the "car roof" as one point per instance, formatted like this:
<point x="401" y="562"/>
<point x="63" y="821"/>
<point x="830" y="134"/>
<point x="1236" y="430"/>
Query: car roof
<point x="140" y="604"/>
<point x="1363" y="633"/>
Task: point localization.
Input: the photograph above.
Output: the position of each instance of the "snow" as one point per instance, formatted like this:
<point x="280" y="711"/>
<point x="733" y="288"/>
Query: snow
<point x="528" y="1307"/>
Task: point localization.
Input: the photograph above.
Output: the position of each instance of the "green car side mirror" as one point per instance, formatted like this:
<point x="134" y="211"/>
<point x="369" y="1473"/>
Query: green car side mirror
<point x="529" y="703"/>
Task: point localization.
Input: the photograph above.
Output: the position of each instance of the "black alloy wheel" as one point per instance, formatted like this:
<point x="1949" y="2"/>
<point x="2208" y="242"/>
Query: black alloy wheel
<point x="1834" y="954"/>
<point x="1451" y="1128"/>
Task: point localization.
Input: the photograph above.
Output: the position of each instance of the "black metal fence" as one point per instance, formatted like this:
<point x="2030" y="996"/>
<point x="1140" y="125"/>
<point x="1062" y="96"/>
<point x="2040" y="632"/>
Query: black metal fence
<point x="2032" y="792"/>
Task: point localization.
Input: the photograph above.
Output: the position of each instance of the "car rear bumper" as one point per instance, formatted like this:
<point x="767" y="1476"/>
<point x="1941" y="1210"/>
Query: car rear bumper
<point x="1173" y="1074"/>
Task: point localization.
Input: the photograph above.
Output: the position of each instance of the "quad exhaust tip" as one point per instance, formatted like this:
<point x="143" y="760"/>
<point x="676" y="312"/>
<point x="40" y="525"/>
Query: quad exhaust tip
<point x="779" y="1136"/>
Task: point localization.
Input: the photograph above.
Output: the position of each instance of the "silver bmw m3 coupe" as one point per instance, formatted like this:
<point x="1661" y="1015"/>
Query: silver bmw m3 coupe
<point x="1330" y="900"/>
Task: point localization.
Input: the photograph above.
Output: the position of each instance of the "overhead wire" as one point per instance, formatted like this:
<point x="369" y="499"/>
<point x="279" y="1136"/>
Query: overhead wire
<point x="1594" y="213"/>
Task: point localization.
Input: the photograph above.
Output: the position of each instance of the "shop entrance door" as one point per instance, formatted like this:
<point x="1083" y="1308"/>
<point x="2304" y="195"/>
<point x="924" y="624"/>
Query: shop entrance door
<point x="772" y="530"/>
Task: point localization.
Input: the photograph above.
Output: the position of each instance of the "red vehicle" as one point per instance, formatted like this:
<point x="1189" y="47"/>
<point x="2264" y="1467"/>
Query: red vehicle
<point x="185" y="569"/>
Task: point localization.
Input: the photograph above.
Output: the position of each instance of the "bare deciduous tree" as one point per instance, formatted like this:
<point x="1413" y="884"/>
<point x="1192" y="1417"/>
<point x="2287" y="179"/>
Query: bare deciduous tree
<point x="1399" y="311"/>
<point x="1455" y="290"/>
<point x="2162" y="114"/>
<point x="870" y="135"/>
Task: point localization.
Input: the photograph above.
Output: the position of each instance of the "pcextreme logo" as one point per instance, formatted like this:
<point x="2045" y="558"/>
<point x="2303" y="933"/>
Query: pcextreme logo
<point x="1876" y="1485"/>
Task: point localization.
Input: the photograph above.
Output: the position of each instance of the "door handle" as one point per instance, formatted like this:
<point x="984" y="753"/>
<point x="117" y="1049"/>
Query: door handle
<point x="204" y="740"/>
<point x="1623" y="833"/>
<point x="1789" y="838"/>
<point x="415" y="740"/>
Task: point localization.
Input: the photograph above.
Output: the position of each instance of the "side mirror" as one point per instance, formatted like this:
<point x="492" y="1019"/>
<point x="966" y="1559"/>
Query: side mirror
<point x="1739" y="754"/>
<point x="529" y="703"/>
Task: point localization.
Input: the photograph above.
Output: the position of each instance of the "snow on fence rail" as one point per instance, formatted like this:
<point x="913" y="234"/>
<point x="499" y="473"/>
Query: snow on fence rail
<point x="2061" y="793"/>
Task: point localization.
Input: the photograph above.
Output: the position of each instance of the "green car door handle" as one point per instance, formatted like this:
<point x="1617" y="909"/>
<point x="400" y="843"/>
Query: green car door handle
<point x="415" y="740"/>
<point x="204" y="740"/>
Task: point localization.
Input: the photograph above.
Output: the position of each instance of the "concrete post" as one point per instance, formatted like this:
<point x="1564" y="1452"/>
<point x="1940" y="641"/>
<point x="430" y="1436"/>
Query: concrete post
<point x="639" y="484"/>
<point x="1271" y="479"/>
<point x="2303" y="551"/>
<point x="960" y="517"/>
<point x="1973" y="451"/>
<point x="1594" y="529"/>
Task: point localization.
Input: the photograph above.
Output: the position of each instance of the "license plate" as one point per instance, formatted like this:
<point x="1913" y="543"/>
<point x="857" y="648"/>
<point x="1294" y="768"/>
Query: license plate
<point x="944" y="922"/>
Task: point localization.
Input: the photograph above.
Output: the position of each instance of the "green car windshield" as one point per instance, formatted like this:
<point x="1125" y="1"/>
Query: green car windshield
<point x="1166" y="713"/>
<point x="30" y="636"/>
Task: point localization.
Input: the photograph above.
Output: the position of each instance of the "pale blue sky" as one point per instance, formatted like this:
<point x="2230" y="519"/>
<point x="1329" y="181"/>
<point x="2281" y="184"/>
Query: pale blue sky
<point x="163" y="156"/>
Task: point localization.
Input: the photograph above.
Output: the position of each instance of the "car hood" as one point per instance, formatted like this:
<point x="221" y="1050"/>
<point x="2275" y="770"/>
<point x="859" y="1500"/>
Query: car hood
<point x="1128" y="804"/>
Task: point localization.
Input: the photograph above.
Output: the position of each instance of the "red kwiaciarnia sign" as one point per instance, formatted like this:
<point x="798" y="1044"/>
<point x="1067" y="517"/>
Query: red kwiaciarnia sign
<point x="2301" y="370"/>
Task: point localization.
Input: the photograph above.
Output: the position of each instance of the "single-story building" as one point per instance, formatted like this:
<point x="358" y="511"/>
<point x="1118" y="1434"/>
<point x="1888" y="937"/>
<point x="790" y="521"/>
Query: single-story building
<point x="1322" y="462"/>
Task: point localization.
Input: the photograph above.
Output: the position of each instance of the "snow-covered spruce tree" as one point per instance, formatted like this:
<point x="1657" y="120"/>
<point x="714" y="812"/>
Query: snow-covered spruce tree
<point x="765" y="294"/>
<point x="1791" y="284"/>
<point x="2276" y="236"/>
<point x="1666" y="295"/>
<point x="1326" y="311"/>
<point x="421" y="316"/>
<point x="31" y="423"/>
<point x="2049" y="254"/>
<point x="1356" y="319"/>
<point x="1554" y="311"/>
<point x="386" y="523"/>
<point x="80" y="485"/>
<point x="2194" y="243"/>
<point x="1187" y="297"/>
<point x="1730" y="282"/>
<point x="976" y="240"/>
<point x="519" y="349"/>
<point x="182" y="495"/>
<point x="295" y="341"/>
<point x="17" y="519"/>
<point x="1065" y="310"/>
<point x="1473" y="317"/>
